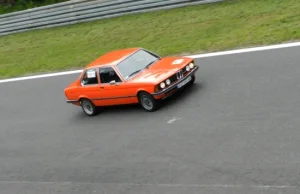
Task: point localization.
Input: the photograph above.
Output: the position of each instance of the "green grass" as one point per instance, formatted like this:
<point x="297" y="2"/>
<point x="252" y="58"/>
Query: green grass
<point x="195" y="29"/>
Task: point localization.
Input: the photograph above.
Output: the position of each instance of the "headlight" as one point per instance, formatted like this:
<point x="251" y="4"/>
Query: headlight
<point x="188" y="68"/>
<point x="168" y="82"/>
<point x="191" y="65"/>
<point x="162" y="85"/>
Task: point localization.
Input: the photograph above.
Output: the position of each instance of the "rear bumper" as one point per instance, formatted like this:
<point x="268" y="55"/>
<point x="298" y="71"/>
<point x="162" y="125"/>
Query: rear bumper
<point x="173" y="88"/>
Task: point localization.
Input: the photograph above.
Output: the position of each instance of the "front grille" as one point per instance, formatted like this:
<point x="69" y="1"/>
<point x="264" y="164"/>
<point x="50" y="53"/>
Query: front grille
<point x="184" y="71"/>
<point x="178" y="75"/>
<point x="173" y="78"/>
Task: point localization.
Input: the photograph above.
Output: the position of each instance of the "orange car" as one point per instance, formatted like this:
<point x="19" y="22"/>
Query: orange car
<point x="129" y="76"/>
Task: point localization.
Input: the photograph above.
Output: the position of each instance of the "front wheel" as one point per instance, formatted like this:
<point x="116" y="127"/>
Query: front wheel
<point x="88" y="107"/>
<point x="148" y="102"/>
<point x="193" y="79"/>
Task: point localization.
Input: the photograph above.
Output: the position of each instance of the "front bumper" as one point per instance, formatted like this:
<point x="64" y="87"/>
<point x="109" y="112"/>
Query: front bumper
<point x="173" y="87"/>
<point x="71" y="101"/>
<point x="74" y="102"/>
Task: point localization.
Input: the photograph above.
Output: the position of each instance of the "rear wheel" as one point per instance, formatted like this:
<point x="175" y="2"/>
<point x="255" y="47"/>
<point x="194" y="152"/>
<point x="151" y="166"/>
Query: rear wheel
<point x="88" y="107"/>
<point x="147" y="101"/>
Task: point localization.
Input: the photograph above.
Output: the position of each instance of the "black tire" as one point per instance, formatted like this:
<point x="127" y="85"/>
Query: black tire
<point x="88" y="107"/>
<point x="193" y="79"/>
<point x="147" y="101"/>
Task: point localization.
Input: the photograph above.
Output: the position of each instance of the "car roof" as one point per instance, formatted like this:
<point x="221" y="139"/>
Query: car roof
<point x="112" y="57"/>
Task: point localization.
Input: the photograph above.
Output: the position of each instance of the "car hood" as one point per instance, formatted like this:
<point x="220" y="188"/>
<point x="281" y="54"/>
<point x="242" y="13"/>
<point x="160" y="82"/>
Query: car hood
<point x="162" y="69"/>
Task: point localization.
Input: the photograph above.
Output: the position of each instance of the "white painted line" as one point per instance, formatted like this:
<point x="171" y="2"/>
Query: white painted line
<point x="278" y="46"/>
<point x="173" y="119"/>
<point x="246" y="50"/>
<point x="40" y="76"/>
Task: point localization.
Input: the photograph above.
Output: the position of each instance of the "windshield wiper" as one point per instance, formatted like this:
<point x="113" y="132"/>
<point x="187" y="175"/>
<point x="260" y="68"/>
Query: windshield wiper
<point x="151" y="63"/>
<point x="134" y="73"/>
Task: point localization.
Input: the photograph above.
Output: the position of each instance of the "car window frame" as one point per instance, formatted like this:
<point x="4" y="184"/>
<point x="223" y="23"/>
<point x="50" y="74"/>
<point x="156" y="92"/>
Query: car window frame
<point x="84" y="72"/>
<point x="116" y="71"/>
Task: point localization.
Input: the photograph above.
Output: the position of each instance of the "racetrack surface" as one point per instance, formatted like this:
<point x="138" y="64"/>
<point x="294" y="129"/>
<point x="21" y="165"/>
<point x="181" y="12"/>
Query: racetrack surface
<point x="235" y="131"/>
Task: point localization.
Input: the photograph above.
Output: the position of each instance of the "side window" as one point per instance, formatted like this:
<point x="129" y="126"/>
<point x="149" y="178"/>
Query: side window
<point x="89" y="77"/>
<point x="108" y="74"/>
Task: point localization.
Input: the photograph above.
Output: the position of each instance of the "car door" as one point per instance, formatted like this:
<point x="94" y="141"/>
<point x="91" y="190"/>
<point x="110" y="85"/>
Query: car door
<point x="114" y="90"/>
<point x="90" y="85"/>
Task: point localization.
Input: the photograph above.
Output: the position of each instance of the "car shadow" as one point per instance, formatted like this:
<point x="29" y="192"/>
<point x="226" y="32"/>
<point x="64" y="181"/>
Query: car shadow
<point x="133" y="109"/>
<point x="127" y="108"/>
<point x="181" y="95"/>
<point x="171" y="101"/>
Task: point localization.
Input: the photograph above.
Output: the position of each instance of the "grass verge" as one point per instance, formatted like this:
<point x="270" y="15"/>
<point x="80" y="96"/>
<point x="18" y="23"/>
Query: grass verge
<point x="195" y="29"/>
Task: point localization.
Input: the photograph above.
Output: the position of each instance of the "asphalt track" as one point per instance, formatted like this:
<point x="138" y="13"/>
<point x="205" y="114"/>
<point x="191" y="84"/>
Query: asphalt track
<point x="235" y="131"/>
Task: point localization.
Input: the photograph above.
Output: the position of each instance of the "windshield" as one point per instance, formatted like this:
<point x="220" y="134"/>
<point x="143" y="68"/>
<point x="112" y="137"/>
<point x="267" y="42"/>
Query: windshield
<point x="135" y="63"/>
